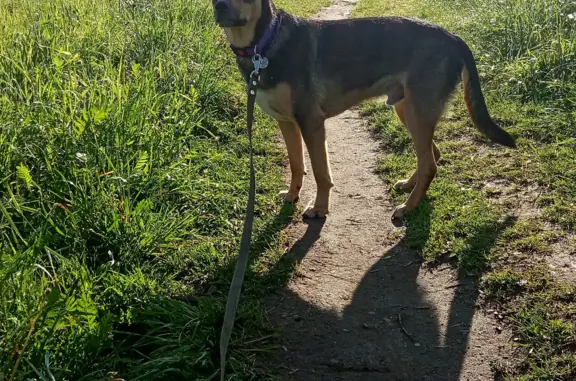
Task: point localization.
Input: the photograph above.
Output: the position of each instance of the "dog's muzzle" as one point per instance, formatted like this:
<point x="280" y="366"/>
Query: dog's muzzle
<point x="225" y="15"/>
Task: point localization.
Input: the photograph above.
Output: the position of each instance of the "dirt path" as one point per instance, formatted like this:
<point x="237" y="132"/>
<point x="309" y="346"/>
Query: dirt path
<point x="361" y="306"/>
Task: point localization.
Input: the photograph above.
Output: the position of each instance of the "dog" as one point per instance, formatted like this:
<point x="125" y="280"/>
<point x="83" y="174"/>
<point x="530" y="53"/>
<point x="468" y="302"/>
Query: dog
<point x="319" y="69"/>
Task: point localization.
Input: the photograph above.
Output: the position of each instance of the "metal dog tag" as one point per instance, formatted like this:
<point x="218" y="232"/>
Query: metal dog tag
<point x="259" y="62"/>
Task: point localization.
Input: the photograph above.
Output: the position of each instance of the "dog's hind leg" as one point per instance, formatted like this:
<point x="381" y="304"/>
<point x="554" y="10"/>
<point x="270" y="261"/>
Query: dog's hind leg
<point x="408" y="184"/>
<point x="426" y="91"/>
<point x="421" y="119"/>
<point x="293" y="139"/>
<point x="314" y="133"/>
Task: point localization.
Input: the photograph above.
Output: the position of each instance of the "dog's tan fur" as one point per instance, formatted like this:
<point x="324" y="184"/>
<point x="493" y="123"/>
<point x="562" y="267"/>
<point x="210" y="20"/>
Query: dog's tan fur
<point x="293" y="139"/>
<point x="277" y="102"/>
<point x="302" y="102"/>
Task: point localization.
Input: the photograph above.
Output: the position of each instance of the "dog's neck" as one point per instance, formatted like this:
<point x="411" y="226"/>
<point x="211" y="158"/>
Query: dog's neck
<point x="247" y="35"/>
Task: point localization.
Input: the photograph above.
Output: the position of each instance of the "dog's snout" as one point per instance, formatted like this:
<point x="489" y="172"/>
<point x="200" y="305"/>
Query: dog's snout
<point x="221" y="5"/>
<point x="225" y="14"/>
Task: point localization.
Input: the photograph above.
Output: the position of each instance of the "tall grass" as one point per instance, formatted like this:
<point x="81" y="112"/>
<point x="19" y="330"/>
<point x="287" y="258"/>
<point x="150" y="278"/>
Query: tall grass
<point x="122" y="185"/>
<point x="527" y="52"/>
<point x="531" y="47"/>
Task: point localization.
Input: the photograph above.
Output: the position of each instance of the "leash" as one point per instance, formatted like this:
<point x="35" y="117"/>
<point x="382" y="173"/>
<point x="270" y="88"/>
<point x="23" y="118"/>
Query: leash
<point x="242" y="262"/>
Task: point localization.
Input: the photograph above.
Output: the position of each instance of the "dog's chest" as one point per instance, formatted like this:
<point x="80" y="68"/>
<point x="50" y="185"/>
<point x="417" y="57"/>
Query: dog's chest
<point x="276" y="102"/>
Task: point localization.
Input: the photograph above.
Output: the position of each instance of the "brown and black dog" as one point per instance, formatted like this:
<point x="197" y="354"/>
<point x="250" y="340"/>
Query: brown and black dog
<point x="319" y="69"/>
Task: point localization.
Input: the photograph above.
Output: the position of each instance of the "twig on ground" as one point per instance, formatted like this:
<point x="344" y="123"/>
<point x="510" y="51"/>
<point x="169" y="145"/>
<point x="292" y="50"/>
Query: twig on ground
<point x="456" y="285"/>
<point x="403" y="328"/>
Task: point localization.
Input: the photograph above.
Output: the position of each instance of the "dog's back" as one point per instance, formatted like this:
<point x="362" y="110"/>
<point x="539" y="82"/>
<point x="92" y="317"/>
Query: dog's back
<point x="356" y="59"/>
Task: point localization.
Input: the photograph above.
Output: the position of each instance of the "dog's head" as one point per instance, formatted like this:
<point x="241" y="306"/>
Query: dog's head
<point x="236" y="13"/>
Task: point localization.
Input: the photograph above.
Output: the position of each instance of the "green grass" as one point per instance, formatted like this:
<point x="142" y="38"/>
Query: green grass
<point x="300" y="8"/>
<point x="498" y="213"/>
<point x="123" y="183"/>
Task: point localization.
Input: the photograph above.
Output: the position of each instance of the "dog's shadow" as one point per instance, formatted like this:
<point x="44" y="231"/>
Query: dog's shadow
<point x="392" y="329"/>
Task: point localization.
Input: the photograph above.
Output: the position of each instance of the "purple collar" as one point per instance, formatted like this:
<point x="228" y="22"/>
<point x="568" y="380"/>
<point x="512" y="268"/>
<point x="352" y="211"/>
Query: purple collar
<point x="263" y="44"/>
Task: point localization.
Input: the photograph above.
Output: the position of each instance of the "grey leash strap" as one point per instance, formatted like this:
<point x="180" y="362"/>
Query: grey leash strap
<point x="243" y="256"/>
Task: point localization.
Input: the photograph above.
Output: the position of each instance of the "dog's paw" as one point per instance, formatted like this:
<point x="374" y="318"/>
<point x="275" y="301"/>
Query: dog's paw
<point x="404" y="185"/>
<point x="399" y="212"/>
<point x="290" y="196"/>
<point x="315" y="212"/>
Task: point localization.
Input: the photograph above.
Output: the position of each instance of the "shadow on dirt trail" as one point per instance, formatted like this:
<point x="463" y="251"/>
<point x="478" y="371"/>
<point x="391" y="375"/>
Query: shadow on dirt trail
<point x="360" y="305"/>
<point x="398" y="324"/>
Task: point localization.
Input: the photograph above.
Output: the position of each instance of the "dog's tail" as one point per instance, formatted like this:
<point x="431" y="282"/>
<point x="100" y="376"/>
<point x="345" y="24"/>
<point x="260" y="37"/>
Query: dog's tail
<point x="475" y="101"/>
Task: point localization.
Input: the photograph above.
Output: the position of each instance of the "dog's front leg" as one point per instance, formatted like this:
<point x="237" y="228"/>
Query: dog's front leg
<point x="314" y="133"/>
<point x="293" y="139"/>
